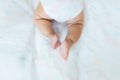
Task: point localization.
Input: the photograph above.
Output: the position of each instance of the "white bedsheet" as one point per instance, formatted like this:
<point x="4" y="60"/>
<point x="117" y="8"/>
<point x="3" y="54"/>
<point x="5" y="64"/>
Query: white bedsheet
<point x="100" y="44"/>
<point x="96" y="55"/>
<point x="16" y="40"/>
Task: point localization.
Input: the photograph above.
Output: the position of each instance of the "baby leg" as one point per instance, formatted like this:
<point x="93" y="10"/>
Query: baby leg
<point x="43" y="23"/>
<point x="74" y="31"/>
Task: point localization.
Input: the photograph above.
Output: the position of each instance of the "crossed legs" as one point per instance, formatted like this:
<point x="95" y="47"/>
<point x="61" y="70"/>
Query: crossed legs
<point x="43" y="21"/>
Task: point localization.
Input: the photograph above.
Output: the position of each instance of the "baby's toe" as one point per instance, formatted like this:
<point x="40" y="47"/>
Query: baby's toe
<point x="64" y="50"/>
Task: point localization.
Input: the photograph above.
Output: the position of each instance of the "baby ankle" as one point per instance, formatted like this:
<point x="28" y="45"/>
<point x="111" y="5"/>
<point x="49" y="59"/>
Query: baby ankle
<point x="70" y="41"/>
<point x="51" y="34"/>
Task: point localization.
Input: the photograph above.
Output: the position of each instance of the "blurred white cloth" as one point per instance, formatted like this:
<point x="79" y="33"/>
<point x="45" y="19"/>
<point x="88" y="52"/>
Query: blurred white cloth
<point x="62" y="10"/>
<point x="97" y="51"/>
<point x="99" y="57"/>
<point x="16" y="40"/>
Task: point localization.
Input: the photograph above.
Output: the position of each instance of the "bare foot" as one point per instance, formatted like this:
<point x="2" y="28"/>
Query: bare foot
<point x="65" y="47"/>
<point x="54" y="39"/>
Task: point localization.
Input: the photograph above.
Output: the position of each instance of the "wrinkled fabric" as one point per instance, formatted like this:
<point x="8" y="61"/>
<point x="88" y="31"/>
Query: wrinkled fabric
<point x="94" y="57"/>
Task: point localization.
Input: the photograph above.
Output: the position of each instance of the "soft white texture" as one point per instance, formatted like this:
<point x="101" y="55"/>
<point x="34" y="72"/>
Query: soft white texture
<point x="16" y="40"/>
<point x="62" y="10"/>
<point x="98" y="49"/>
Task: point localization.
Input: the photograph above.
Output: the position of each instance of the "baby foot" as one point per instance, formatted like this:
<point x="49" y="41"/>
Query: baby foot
<point x="54" y="41"/>
<point x="65" y="47"/>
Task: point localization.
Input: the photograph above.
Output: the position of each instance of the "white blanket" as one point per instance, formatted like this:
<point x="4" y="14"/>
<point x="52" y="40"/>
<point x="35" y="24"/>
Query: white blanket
<point x="94" y="57"/>
<point x="16" y="40"/>
<point x="100" y="44"/>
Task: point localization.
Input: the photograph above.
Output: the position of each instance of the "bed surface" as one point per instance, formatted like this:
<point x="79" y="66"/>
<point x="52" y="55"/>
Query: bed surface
<point x="98" y="50"/>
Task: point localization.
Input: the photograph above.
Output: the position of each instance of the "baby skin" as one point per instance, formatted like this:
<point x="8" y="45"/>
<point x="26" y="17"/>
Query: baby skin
<point x="75" y="25"/>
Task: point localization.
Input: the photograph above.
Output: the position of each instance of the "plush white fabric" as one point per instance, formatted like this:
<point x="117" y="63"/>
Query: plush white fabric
<point x="62" y="10"/>
<point x="97" y="52"/>
<point x="100" y="43"/>
<point x="16" y="40"/>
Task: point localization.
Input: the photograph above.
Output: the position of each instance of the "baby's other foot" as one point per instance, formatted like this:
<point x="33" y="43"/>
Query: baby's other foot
<point x="65" y="47"/>
<point x="54" y="41"/>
